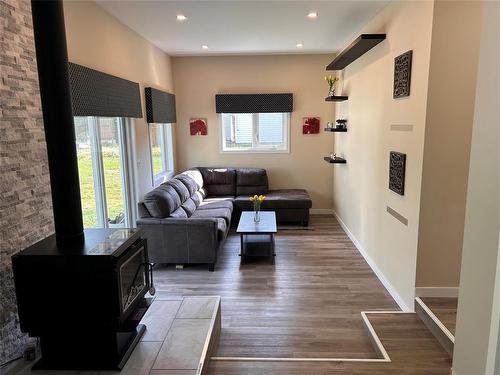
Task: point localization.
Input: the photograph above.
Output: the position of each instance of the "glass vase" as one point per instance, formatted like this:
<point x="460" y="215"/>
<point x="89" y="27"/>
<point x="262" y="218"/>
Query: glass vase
<point x="256" y="216"/>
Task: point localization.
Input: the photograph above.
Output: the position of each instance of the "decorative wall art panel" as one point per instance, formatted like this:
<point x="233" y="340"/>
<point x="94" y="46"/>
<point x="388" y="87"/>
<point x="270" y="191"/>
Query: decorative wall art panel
<point x="310" y="125"/>
<point x="402" y="75"/>
<point x="198" y="126"/>
<point x="397" y="170"/>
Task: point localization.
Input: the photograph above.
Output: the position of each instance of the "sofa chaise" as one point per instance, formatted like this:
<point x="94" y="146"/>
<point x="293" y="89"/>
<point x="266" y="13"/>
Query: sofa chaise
<point x="187" y="218"/>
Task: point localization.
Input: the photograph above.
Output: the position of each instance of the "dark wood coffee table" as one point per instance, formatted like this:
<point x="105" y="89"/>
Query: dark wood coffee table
<point x="257" y="235"/>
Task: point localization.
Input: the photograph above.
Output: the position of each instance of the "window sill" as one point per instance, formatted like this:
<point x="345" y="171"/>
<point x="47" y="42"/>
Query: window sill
<point x="254" y="151"/>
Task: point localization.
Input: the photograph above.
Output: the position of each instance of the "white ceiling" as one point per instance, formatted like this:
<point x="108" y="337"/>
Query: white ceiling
<point x="245" y="27"/>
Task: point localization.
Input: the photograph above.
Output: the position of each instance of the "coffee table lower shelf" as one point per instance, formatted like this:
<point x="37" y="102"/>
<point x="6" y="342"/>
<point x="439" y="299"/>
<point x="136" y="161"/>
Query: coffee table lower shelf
<point x="257" y="237"/>
<point x="257" y="245"/>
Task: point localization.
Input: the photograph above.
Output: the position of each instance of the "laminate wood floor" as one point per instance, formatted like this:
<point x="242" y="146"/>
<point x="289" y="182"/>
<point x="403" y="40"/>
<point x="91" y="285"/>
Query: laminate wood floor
<point x="445" y="310"/>
<point x="412" y="348"/>
<point x="306" y="305"/>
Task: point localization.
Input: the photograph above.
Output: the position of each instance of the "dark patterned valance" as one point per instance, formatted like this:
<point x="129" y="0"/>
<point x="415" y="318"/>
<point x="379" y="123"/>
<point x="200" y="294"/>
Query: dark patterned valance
<point x="94" y="93"/>
<point x="253" y="103"/>
<point x="160" y="106"/>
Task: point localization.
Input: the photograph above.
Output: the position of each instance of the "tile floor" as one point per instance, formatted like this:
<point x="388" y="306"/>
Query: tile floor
<point x="172" y="345"/>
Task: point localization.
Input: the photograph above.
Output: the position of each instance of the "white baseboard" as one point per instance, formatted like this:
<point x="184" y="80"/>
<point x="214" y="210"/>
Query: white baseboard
<point x="435" y="319"/>
<point x="450" y="292"/>
<point x="392" y="291"/>
<point x="321" y="211"/>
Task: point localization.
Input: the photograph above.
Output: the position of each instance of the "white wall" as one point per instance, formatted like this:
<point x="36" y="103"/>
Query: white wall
<point x="360" y="191"/>
<point x="482" y="221"/>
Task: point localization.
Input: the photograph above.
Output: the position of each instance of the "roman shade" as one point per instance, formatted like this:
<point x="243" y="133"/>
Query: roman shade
<point x="160" y="106"/>
<point x="253" y="103"/>
<point x="95" y="93"/>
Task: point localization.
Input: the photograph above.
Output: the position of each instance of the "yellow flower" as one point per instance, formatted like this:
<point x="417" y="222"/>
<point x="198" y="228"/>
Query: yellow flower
<point x="257" y="198"/>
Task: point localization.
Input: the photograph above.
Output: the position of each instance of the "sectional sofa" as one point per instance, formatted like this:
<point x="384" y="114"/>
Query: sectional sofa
<point x="186" y="219"/>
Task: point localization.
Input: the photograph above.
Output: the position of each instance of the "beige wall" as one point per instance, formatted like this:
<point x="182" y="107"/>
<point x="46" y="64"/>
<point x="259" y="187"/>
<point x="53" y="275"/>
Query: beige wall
<point x="450" y="112"/>
<point x="198" y="79"/>
<point x="99" y="41"/>
<point x="473" y="343"/>
<point x="360" y="190"/>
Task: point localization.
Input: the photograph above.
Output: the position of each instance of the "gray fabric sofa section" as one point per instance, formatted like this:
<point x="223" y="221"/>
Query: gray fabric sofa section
<point x="181" y="225"/>
<point x="187" y="219"/>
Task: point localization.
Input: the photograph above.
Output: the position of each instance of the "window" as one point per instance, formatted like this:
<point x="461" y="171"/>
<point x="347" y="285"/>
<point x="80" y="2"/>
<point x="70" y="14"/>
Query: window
<point x="255" y="132"/>
<point x="162" y="163"/>
<point x="105" y="176"/>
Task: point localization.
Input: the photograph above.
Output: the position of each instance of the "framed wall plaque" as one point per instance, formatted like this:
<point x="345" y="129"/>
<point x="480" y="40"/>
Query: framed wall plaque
<point x="198" y="126"/>
<point x="310" y="125"/>
<point x="397" y="171"/>
<point x="402" y="75"/>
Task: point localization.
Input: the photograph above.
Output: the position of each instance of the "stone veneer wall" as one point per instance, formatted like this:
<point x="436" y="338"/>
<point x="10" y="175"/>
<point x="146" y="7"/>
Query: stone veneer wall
<point x="25" y="202"/>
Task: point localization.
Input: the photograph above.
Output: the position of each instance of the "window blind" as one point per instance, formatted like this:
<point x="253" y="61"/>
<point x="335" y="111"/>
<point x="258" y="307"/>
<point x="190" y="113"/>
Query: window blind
<point x="95" y="93"/>
<point x="253" y="103"/>
<point x="160" y="106"/>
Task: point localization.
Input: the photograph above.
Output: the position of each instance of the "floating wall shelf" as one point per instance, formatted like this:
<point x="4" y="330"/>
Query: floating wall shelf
<point x="336" y="160"/>
<point x="335" y="130"/>
<point x="356" y="49"/>
<point x="336" y="98"/>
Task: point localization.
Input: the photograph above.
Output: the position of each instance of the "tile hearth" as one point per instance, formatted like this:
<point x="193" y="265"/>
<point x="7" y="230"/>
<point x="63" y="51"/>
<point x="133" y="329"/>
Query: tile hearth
<point x="181" y="334"/>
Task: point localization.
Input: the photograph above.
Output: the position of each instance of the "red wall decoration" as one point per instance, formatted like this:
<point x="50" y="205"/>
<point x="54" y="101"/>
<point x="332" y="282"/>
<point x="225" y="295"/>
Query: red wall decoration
<point x="198" y="126"/>
<point x="310" y="125"/>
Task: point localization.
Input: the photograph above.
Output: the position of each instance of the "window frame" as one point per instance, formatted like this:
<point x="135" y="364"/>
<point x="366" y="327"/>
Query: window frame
<point x="127" y="172"/>
<point x="167" y="153"/>
<point x="255" y="130"/>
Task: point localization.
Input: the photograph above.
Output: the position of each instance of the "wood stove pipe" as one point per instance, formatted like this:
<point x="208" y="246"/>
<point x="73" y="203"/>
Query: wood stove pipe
<point x="52" y="60"/>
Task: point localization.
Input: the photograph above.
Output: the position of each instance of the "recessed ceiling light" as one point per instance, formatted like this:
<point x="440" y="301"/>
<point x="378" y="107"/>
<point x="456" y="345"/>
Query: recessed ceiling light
<point x="312" y="15"/>
<point x="299" y="45"/>
<point x="204" y="46"/>
<point x="181" y="17"/>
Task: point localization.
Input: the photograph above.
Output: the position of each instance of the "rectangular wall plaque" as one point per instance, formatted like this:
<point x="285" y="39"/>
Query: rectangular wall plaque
<point x="397" y="171"/>
<point x="402" y="75"/>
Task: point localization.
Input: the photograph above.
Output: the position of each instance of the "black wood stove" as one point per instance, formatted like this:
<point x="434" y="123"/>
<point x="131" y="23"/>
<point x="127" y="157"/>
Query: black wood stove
<point x="84" y="301"/>
<point x="81" y="292"/>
